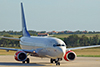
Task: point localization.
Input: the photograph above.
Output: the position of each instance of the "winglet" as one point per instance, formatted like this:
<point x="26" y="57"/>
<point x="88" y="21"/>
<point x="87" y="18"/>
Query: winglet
<point x="24" y="29"/>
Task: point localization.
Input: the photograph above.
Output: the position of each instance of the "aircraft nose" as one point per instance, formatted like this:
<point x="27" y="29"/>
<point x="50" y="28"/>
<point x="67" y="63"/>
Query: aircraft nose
<point x="61" y="53"/>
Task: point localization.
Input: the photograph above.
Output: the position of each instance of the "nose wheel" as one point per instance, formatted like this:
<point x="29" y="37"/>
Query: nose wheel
<point x="56" y="61"/>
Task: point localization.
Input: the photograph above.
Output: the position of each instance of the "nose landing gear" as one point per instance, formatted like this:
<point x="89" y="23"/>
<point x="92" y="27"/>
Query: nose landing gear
<point x="56" y="61"/>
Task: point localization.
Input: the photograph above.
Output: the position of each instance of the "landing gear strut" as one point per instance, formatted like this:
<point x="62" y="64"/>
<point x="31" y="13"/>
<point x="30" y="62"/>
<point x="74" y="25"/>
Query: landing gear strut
<point x="56" y="61"/>
<point x="27" y="60"/>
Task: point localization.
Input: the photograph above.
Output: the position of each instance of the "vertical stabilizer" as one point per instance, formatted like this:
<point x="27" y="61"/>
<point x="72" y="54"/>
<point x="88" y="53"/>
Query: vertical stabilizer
<point x="24" y="29"/>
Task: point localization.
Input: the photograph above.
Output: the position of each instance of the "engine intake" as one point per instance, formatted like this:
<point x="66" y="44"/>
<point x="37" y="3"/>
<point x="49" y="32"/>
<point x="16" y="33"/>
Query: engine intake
<point x="69" y="56"/>
<point x="20" y="56"/>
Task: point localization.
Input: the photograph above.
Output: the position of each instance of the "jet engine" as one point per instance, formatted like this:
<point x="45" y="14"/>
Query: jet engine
<point x="20" y="56"/>
<point x="69" y="56"/>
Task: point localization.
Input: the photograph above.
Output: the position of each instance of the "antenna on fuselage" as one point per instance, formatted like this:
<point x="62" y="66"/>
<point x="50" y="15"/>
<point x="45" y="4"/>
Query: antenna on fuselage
<point x="24" y="28"/>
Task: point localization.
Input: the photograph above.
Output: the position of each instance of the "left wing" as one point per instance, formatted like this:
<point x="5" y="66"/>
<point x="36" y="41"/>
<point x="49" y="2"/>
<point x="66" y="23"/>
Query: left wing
<point x="82" y="47"/>
<point x="10" y="38"/>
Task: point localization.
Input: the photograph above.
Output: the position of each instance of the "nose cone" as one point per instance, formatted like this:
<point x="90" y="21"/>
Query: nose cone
<point x="61" y="52"/>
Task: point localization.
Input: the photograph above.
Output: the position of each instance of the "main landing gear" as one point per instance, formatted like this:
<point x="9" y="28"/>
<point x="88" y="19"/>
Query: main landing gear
<point x="56" y="61"/>
<point x="27" y="60"/>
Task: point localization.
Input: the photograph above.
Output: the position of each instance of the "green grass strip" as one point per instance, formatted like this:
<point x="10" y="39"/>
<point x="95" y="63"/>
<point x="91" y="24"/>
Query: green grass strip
<point x="88" y="55"/>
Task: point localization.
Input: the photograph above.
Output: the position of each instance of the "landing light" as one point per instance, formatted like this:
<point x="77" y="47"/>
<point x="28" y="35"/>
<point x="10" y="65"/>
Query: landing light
<point x="33" y="51"/>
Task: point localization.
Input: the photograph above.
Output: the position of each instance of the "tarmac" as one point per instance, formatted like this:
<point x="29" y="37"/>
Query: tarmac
<point x="9" y="61"/>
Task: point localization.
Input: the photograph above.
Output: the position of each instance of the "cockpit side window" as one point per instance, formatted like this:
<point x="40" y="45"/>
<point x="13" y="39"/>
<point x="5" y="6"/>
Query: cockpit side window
<point x="55" y="45"/>
<point x="63" y="45"/>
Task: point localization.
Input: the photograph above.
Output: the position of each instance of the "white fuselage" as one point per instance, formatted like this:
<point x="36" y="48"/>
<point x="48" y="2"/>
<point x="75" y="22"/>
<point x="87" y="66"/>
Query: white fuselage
<point x="44" y="46"/>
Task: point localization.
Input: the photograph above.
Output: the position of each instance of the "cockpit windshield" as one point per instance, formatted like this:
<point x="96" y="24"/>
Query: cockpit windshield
<point x="55" y="45"/>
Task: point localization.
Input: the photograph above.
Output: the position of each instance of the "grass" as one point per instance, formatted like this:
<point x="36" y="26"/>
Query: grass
<point x="90" y="52"/>
<point x="88" y="55"/>
<point x="4" y="52"/>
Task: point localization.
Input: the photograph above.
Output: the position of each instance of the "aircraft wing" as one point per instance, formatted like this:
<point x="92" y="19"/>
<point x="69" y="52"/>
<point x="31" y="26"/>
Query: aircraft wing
<point x="82" y="47"/>
<point x="10" y="38"/>
<point x="13" y="49"/>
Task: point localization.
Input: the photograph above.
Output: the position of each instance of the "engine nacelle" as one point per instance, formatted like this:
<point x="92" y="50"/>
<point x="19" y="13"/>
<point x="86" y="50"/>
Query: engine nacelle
<point x="20" y="56"/>
<point x="69" y="56"/>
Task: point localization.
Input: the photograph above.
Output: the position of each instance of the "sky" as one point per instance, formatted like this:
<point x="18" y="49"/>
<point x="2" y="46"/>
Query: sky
<point x="50" y="15"/>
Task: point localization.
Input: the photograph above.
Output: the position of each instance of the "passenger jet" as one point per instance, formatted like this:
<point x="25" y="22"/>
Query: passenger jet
<point x="43" y="47"/>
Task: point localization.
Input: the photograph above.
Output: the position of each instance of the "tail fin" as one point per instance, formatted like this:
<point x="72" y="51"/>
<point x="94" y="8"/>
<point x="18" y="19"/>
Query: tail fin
<point x="24" y="29"/>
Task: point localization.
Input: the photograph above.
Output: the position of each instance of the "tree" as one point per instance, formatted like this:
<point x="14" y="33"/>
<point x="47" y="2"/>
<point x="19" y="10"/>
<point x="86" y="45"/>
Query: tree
<point x="84" y="41"/>
<point x="72" y="40"/>
<point x="94" y="40"/>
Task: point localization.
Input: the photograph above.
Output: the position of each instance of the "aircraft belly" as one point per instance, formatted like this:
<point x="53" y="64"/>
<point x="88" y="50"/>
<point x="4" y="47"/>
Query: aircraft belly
<point x="50" y="52"/>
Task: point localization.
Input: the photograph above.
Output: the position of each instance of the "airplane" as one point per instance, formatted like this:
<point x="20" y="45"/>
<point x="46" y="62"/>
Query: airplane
<point x="43" y="47"/>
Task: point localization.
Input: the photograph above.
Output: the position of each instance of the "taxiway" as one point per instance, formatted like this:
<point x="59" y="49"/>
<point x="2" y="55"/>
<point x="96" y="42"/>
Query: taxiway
<point x="9" y="61"/>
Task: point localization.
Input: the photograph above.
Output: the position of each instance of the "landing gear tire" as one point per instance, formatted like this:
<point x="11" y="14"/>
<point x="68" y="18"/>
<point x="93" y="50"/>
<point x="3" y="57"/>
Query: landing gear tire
<point x="57" y="63"/>
<point x="23" y="61"/>
<point x="28" y="60"/>
<point x="51" y="61"/>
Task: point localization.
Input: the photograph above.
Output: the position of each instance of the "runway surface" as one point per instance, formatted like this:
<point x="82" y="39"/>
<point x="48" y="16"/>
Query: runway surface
<point x="9" y="61"/>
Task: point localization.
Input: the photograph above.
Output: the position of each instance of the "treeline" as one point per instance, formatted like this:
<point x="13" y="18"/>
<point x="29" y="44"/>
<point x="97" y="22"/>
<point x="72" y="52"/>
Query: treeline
<point x="32" y="32"/>
<point x="71" y="41"/>
<point x="76" y="41"/>
<point x="8" y="42"/>
<point x="78" y="32"/>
